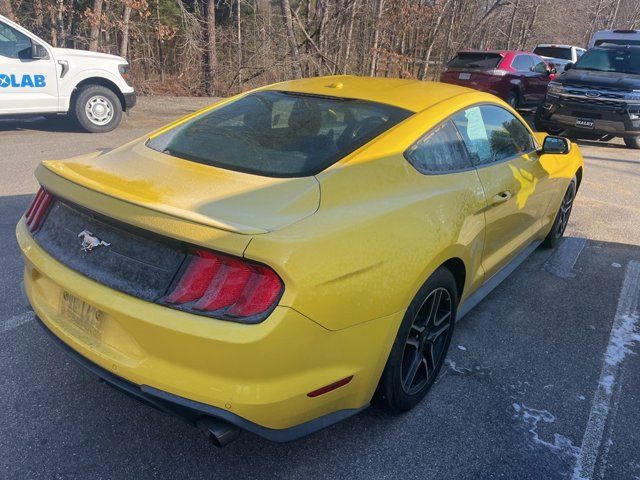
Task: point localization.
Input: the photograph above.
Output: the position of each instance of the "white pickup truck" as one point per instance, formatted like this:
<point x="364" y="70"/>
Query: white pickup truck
<point x="38" y="79"/>
<point x="558" y="56"/>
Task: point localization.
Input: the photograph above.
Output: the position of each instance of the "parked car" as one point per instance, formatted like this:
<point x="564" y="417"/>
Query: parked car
<point x="618" y="37"/>
<point x="36" y="78"/>
<point x="519" y="78"/>
<point x="271" y="262"/>
<point x="598" y="97"/>
<point x="557" y="56"/>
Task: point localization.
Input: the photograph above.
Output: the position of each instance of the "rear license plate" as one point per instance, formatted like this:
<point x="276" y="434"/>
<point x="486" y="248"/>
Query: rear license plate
<point x="585" y="123"/>
<point x="464" y="76"/>
<point x="82" y="315"/>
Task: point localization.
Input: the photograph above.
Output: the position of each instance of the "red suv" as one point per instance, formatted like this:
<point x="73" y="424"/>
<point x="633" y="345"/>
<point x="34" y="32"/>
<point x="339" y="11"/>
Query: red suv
<point x="519" y="78"/>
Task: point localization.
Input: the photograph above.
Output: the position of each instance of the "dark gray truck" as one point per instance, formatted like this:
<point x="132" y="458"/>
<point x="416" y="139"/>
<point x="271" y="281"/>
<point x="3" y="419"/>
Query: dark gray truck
<point x="598" y="97"/>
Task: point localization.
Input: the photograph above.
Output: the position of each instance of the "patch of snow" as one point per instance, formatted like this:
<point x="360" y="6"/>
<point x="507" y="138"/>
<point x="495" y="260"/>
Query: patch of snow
<point x="624" y="335"/>
<point x="607" y="383"/>
<point x="462" y="347"/>
<point x="531" y="418"/>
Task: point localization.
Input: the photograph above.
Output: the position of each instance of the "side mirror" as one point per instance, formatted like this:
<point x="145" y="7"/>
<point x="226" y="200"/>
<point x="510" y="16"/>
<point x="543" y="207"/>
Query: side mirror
<point x="38" y="51"/>
<point x="555" y="145"/>
<point x="568" y="66"/>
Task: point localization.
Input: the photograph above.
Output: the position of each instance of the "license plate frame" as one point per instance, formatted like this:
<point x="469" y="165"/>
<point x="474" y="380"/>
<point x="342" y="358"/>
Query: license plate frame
<point x="586" y="123"/>
<point x="86" y="318"/>
<point x="464" y="76"/>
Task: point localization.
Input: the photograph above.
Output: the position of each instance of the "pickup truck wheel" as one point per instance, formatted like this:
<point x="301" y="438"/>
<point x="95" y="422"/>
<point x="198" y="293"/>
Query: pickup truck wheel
<point x="632" y="142"/>
<point x="97" y="109"/>
<point x="544" y="126"/>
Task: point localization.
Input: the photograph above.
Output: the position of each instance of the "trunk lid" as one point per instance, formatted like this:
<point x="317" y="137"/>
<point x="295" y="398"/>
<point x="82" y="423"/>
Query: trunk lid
<point x="227" y="200"/>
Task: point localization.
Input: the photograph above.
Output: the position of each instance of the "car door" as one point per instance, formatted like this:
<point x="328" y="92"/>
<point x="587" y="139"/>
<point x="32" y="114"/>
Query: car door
<point x="539" y="80"/>
<point x="515" y="184"/>
<point x="522" y="65"/>
<point x="27" y="85"/>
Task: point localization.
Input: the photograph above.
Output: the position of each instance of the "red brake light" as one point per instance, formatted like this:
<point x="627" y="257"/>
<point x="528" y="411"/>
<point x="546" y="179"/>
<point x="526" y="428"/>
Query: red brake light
<point x="38" y="209"/>
<point x="225" y="287"/>
<point x="196" y="278"/>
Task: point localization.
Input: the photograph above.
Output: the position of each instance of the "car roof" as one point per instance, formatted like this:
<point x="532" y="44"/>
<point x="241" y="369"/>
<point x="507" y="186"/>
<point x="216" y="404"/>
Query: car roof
<point x="556" y="45"/>
<point x="615" y="46"/>
<point x="621" y="31"/>
<point x="502" y="53"/>
<point x="410" y="94"/>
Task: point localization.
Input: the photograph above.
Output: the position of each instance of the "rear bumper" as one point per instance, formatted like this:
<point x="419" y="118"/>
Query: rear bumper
<point x="192" y="411"/>
<point x="622" y="120"/>
<point x="254" y="376"/>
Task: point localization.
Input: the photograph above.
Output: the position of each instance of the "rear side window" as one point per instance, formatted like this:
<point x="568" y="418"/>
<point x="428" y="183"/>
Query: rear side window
<point x="563" y="53"/>
<point x="492" y="134"/>
<point x="475" y="60"/>
<point x="279" y="134"/>
<point x="440" y="150"/>
<point x="540" y="66"/>
<point x="522" y="63"/>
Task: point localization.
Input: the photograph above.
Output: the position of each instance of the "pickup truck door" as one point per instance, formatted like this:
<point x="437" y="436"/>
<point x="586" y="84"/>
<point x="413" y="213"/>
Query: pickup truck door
<point x="27" y="85"/>
<point x="516" y="186"/>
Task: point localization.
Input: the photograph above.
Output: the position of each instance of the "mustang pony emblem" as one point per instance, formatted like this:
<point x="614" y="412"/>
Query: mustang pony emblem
<point x="89" y="242"/>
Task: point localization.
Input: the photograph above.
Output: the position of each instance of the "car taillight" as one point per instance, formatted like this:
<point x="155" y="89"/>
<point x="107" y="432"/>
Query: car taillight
<point x="38" y="209"/>
<point x="225" y="287"/>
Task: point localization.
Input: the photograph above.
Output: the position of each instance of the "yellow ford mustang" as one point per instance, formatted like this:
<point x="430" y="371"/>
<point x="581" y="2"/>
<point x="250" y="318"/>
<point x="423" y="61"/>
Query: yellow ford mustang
<point x="275" y="261"/>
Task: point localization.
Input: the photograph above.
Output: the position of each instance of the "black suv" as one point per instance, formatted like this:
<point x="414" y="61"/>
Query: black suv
<point x="598" y="97"/>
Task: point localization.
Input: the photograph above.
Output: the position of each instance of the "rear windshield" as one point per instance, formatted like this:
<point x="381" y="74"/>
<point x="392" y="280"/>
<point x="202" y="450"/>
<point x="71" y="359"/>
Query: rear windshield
<point x="620" y="60"/>
<point x="279" y="134"/>
<point x="563" y="53"/>
<point x="475" y="60"/>
<point x="617" y="41"/>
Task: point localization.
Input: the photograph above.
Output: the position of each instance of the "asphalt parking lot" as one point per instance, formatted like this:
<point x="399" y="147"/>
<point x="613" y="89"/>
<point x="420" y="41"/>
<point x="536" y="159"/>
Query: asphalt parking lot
<point x="542" y="380"/>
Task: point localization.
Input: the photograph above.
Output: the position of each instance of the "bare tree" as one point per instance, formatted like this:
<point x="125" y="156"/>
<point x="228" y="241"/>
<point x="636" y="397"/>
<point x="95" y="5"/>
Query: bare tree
<point x="126" y="18"/>
<point x="376" y="39"/>
<point x="96" y="21"/>
<point x="6" y="9"/>
<point x="211" y="58"/>
<point x="285" y="8"/>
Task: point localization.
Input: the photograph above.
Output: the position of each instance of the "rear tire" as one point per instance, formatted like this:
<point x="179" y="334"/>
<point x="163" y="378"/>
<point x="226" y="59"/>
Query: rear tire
<point x="632" y="142"/>
<point x="562" y="217"/>
<point x="97" y="109"/>
<point x="421" y="344"/>
<point x="512" y="99"/>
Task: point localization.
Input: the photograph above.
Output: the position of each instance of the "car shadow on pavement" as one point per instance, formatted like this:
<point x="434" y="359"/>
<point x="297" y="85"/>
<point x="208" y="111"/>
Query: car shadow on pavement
<point x="596" y="143"/>
<point x="39" y="123"/>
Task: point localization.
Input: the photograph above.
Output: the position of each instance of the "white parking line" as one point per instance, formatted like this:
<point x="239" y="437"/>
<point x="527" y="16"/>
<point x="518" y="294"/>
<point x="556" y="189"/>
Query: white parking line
<point x="624" y="334"/>
<point x="563" y="260"/>
<point x="16" y="321"/>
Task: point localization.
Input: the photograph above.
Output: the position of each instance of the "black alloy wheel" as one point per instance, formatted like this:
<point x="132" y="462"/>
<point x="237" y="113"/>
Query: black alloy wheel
<point x="421" y="345"/>
<point x="427" y="341"/>
<point x="562" y="217"/>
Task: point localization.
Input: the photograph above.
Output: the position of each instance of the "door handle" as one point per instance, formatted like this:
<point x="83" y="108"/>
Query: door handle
<point x="502" y="197"/>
